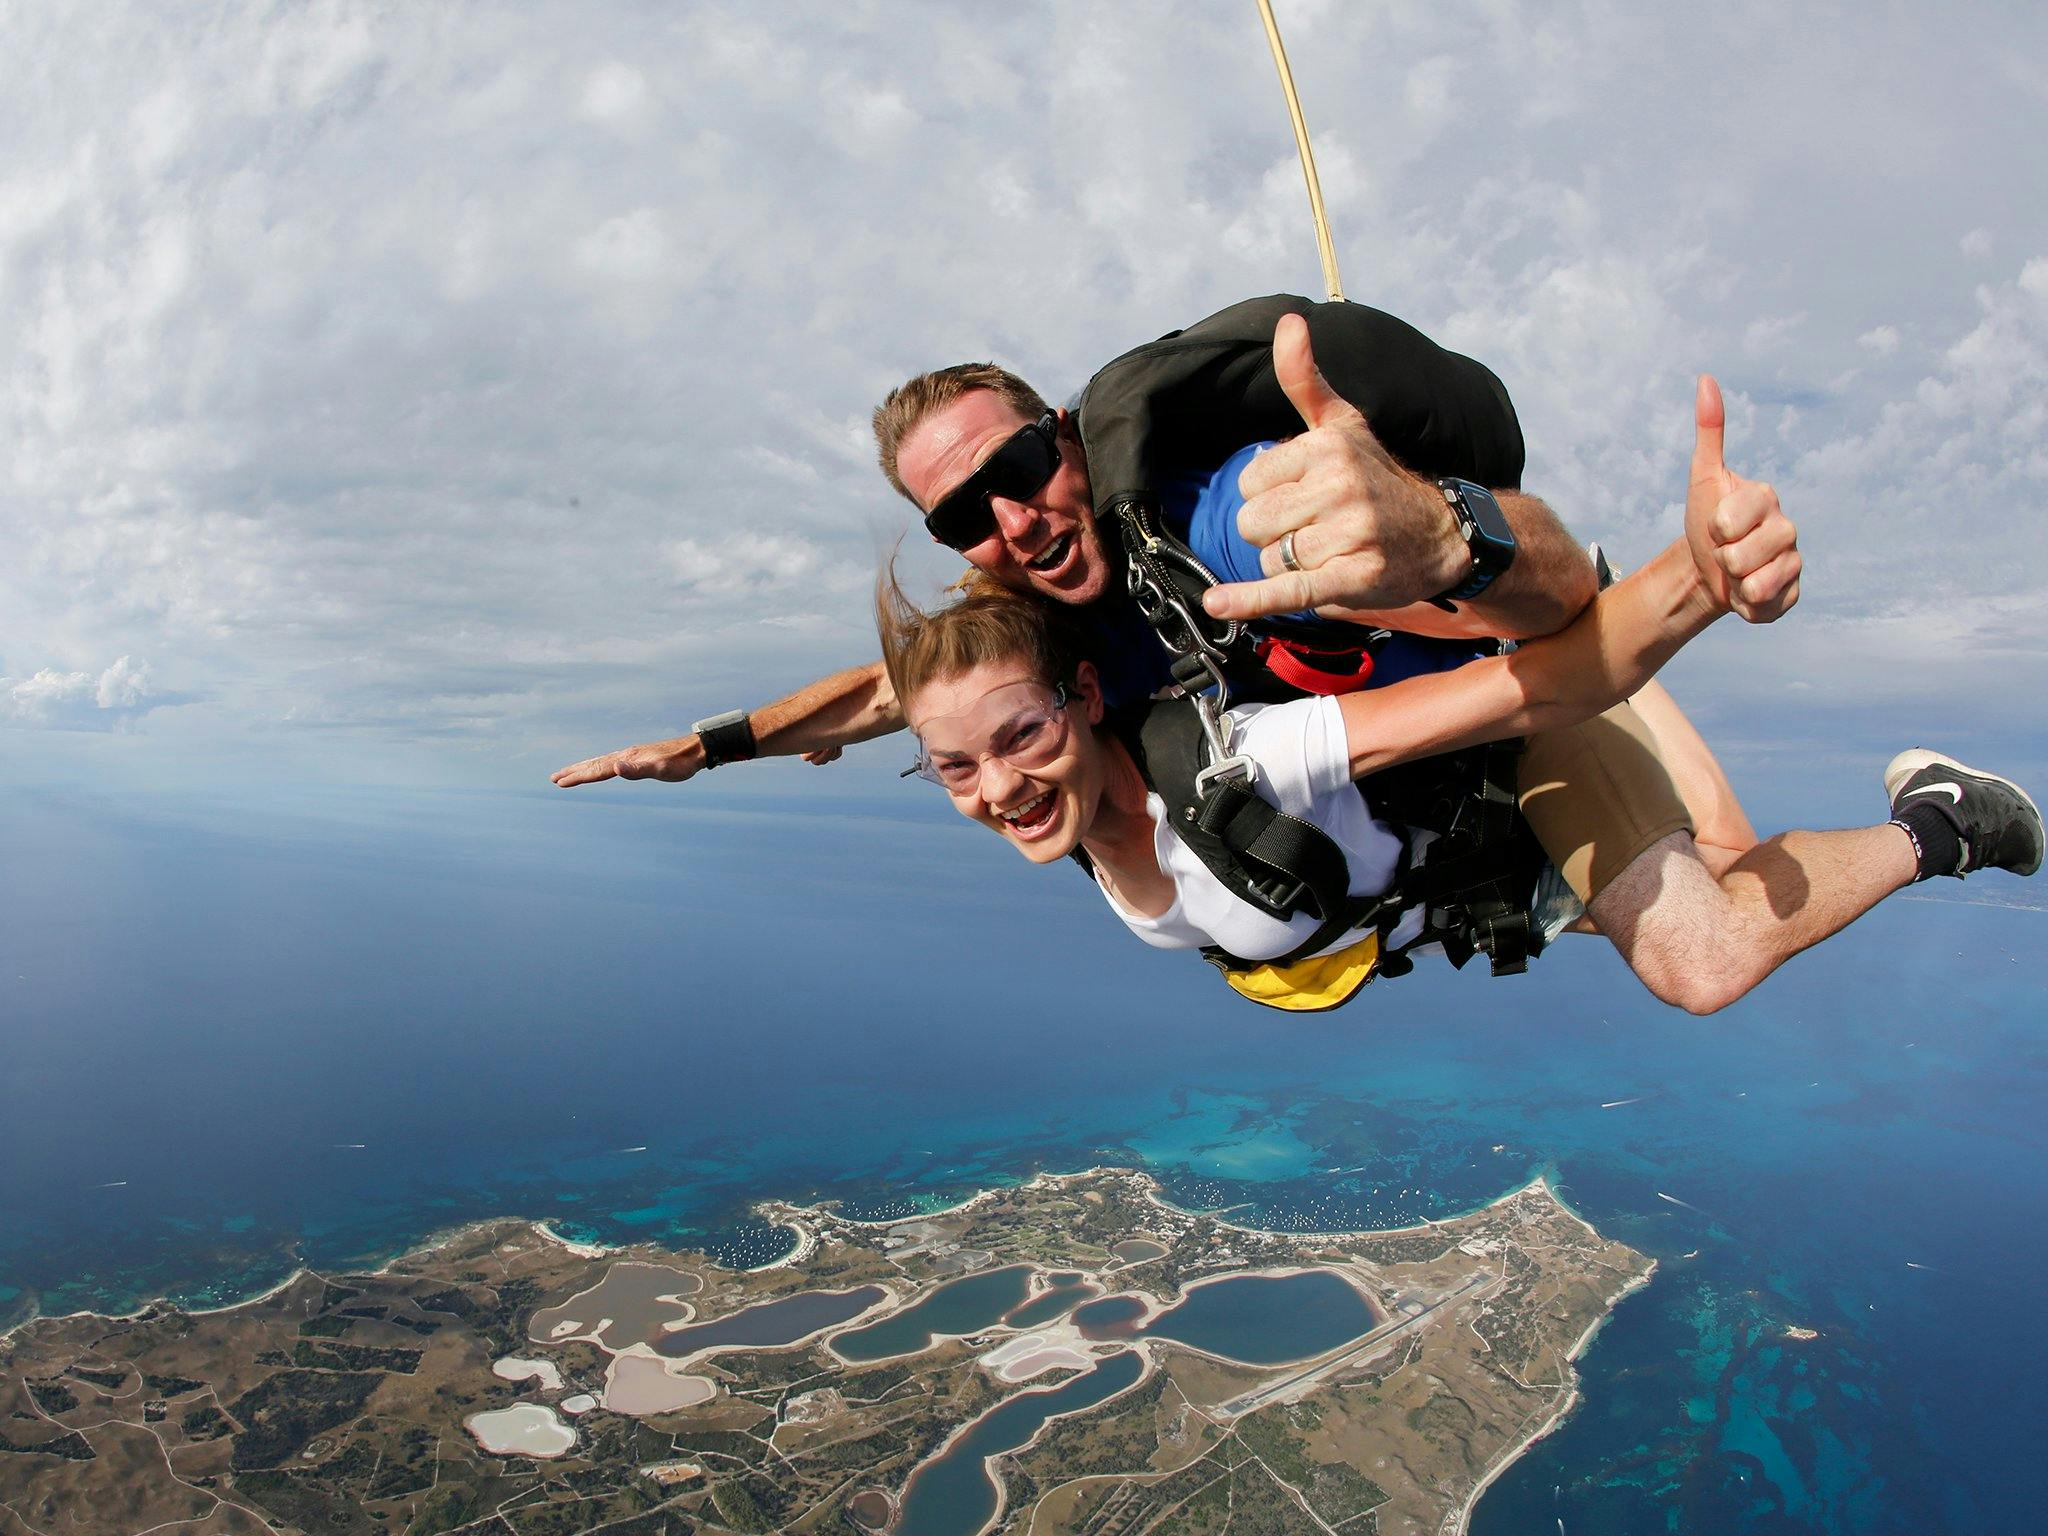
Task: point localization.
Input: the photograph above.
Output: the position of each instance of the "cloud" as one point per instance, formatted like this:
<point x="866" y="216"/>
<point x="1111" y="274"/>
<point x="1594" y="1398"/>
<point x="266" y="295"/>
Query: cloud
<point x="757" y="565"/>
<point x="358" y="377"/>
<point x="110" y="700"/>
<point x="1936" y="503"/>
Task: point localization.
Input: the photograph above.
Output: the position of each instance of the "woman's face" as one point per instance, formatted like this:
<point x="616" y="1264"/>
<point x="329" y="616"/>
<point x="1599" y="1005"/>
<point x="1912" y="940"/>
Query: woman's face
<point x="1029" y="769"/>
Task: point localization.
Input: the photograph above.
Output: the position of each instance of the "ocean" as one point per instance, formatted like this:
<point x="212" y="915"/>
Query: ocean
<point x="237" y="1037"/>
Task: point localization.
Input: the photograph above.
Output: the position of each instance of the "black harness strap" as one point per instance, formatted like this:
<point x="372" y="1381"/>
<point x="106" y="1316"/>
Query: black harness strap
<point x="1278" y="863"/>
<point x="1480" y="873"/>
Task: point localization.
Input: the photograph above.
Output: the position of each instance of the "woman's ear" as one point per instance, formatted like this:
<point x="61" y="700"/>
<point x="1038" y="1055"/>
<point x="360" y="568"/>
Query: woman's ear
<point x="1088" y="691"/>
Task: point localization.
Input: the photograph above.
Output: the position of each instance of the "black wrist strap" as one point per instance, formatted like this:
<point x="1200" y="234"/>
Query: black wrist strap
<point x="727" y="738"/>
<point x="1487" y="562"/>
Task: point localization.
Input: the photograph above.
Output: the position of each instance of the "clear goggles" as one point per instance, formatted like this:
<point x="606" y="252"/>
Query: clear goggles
<point x="1023" y="724"/>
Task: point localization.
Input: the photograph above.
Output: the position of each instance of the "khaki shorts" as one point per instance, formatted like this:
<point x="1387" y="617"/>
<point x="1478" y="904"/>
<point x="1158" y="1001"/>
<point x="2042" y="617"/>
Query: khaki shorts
<point x="1597" y="794"/>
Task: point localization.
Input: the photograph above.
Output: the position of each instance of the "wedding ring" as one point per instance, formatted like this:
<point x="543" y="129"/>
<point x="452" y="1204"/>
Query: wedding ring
<point x="1287" y="560"/>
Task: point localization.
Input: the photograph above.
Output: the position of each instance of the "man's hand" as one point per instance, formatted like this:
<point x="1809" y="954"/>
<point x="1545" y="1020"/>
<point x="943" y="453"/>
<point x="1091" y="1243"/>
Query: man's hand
<point x="1367" y="533"/>
<point x="1745" y="548"/>
<point x="670" y="761"/>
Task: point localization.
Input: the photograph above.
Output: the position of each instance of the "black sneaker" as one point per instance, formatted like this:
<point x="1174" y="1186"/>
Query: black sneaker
<point x="1998" y="824"/>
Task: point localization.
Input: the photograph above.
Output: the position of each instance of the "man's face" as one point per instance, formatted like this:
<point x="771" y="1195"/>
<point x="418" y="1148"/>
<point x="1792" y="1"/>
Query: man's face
<point x="1048" y="543"/>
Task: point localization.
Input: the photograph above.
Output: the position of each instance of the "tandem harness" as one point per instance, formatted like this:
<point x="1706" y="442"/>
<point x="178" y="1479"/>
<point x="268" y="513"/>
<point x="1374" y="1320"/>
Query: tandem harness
<point x="1478" y="870"/>
<point x="1172" y="401"/>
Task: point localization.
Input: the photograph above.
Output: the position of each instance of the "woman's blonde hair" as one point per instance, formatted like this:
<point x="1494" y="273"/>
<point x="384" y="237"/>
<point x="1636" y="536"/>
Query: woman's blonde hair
<point x="986" y="623"/>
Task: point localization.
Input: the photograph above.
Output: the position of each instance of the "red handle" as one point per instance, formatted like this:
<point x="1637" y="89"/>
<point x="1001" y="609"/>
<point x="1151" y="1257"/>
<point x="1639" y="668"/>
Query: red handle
<point x="1291" y="664"/>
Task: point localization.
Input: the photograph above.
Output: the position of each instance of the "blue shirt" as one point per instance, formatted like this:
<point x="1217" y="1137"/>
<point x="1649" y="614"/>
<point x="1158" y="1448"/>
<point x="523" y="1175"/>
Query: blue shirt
<point x="1201" y="509"/>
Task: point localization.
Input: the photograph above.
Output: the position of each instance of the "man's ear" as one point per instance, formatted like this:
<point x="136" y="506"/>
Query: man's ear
<point x="1088" y="692"/>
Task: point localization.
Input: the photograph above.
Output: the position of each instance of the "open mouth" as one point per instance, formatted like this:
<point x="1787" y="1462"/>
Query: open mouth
<point x="1055" y="555"/>
<point x="1033" y="817"/>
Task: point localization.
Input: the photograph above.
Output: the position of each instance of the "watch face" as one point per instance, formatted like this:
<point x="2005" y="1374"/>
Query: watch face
<point x="1484" y="527"/>
<point x="1486" y="515"/>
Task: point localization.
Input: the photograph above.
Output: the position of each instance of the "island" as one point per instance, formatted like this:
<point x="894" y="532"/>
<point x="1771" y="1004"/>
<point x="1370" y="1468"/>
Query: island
<point x="1070" y="1354"/>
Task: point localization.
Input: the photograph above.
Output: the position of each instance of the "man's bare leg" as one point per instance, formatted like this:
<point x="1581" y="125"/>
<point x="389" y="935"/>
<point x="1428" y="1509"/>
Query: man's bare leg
<point x="1699" y="941"/>
<point x="1720" y="826"/>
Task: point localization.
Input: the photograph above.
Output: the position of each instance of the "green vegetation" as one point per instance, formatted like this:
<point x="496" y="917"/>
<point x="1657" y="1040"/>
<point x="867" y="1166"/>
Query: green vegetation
<point x="290" y="1408"/>
<point x="453" y="1301"/>
<point x="736" y="1507"/>
<point x="407" y="1465"/>
<point x="355" y="1357"/>
<point x="1409" y="1248"/>
<point x="69" y="1446"/>
<point x="592" y="1508"/>
<point x="110" y="1380"/>
<point x="1333" y="1490"/>
<point x="660" y="1522"/>
<point x="170" y="1386"/>
<point x="1443" y="1415"/>
<point x="449" y="1506"/>
<point x="869" y="1385"/>
<point x="52" y="1396"/>
<point x="775" y="1368"/>
<point x="307" y="1501"/>
<point x="721" y="1442"/>
<point x="1088" y="1444"/>
<point x="501" y="1325"/>
<point x="205" y="1422"/>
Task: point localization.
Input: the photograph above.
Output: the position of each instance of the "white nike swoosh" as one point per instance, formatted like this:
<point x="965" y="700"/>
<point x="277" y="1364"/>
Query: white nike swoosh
<point x="1953" y="791"/>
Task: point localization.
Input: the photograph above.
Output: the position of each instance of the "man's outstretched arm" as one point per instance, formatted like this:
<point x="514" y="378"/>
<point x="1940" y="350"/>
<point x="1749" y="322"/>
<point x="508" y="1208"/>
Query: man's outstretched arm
<point x="815" y="721"/>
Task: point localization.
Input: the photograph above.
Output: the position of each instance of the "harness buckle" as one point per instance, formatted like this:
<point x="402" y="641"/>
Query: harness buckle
<point x="1224" y="765"/>
<point x="1231" y="768"/>
<point x="1279" y="894"/>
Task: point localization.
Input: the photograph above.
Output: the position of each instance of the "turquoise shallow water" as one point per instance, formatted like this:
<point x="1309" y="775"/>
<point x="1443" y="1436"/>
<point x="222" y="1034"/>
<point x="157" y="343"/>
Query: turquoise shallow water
<point x="284" y="1042"/>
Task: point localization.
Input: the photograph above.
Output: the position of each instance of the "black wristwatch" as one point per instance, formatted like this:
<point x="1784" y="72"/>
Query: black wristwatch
<point x="727" y="738"/>
<point x="1488" y="538"/>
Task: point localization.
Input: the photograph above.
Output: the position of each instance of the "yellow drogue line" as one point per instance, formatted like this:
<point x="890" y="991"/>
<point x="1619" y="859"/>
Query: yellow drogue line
<point x="1324" y="247"/>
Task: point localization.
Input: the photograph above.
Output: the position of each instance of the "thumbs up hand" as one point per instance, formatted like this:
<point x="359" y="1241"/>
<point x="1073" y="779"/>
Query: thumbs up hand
<point x="1744" y="546"/>
<point x="1366" y="534"/>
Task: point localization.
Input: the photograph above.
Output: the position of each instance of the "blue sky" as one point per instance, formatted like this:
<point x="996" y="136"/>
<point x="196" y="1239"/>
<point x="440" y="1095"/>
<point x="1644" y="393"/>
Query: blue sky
<point x="439" y="394"/>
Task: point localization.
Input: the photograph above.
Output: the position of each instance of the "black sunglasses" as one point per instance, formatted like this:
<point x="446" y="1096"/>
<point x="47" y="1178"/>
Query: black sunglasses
<point x="1016" y="471"/>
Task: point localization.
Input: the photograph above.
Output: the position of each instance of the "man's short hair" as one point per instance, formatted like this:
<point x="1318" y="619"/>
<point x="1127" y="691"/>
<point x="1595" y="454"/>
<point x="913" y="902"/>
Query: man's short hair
<point x="911" y="401"/>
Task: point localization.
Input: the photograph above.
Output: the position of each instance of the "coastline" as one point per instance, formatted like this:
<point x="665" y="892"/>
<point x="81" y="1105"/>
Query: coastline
<point x="1460" y="1522"/>
<point x="809" y="1225"/>
<point x="770" y="1209"/>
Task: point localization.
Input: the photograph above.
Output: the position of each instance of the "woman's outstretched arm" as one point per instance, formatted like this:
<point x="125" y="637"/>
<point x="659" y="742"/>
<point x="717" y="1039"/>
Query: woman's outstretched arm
<point x="1739" y="554"/>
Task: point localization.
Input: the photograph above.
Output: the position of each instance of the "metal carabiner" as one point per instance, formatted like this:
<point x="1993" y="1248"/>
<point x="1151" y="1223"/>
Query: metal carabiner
<point x="1223" y="763"/>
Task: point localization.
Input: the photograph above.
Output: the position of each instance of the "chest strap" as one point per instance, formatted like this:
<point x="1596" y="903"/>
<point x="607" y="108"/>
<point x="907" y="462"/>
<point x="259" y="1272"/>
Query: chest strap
<point x="1281" y="864"/>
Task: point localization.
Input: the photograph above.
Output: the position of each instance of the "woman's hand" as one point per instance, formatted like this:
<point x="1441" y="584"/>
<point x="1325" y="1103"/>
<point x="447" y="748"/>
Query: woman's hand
<point x="1745" y="548"/>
